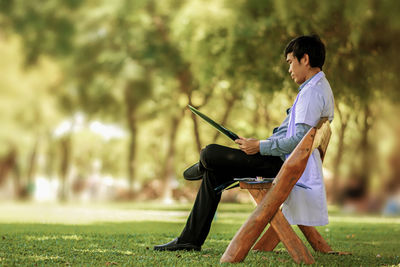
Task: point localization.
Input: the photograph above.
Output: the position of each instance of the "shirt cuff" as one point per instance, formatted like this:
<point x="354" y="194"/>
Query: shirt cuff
<point x="265" y="147"/>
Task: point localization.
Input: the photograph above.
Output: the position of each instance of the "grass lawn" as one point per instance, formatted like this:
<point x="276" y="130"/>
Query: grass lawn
<point x="124" y="234"/>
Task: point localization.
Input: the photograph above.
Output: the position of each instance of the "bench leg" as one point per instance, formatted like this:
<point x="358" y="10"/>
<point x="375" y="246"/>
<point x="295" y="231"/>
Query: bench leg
<point x="315" y="239"/>
<point x="281" y="230"/>
<point x="292" y="242"/>
<point x="268" y="241"/>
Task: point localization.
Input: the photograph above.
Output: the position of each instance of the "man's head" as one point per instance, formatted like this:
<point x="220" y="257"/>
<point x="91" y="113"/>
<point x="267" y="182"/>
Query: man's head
<point x="306" y="56"/>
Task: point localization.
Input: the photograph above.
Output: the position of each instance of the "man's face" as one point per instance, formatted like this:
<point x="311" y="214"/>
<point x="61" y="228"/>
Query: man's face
<point x="297" y="69"/>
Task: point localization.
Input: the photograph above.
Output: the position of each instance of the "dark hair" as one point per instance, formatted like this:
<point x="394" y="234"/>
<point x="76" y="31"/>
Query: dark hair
<point x="310" y="45"/>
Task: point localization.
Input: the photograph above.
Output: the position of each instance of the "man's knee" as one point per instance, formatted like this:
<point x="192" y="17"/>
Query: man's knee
<point x="207" y="153"/>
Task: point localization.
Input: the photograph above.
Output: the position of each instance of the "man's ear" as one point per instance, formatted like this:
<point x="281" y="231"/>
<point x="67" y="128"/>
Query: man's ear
<point x="305" y="60"/>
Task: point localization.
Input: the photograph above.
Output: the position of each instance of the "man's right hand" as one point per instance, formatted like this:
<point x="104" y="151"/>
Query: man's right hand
<point x="250" y="146"/>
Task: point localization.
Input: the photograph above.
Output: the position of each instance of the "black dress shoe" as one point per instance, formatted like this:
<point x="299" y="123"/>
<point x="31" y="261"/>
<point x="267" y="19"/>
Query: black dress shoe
<point x="194" y="172"/>
<point x="174" y="245"/>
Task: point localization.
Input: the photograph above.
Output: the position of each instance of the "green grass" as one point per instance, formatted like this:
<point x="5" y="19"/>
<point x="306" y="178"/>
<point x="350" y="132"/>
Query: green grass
<point x="124" y="235"/>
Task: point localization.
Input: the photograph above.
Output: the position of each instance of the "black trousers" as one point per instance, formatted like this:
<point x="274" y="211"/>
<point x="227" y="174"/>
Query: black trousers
<point x="222" y="164"/>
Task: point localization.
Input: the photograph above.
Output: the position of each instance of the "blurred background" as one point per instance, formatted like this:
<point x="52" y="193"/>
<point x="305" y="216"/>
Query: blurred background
<point x="94" y="94"/>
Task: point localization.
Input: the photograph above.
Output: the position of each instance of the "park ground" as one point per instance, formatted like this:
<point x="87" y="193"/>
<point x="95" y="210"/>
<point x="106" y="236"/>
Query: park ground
<point x="124" y="234"/>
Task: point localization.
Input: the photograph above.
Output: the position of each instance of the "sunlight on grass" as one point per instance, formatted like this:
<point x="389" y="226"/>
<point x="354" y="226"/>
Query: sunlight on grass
<point x="364" y="219"/>
<point x="73" y="214"/>
<point x="127" y="252"/>
<point x="43" y="257"/>
<point x="88" y="214"/>
<point x="65" y="237"/>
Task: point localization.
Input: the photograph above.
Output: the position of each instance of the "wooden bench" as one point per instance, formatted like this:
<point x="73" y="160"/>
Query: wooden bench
<point x="269" y="198"/>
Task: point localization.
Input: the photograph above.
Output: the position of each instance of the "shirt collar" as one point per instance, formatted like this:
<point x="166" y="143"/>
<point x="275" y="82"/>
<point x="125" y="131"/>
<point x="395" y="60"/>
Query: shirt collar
<point x="304" y="84"/>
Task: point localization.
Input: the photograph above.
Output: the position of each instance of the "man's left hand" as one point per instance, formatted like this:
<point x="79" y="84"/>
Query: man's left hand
<point x="250" y="146"/>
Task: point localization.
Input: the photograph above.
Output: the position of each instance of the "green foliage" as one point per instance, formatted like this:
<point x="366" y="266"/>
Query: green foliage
<point x="108" y="58"/>
<point x="139" y="63"/>
<point x="28" y="107"/>
<point x="46" y="27"/>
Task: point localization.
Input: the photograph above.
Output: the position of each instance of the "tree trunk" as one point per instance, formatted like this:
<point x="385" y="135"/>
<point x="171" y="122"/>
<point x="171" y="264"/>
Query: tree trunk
<point x="32" y="167"/>
<point x="229" y="102"/>
<point x="365" y="148"/>
<point x="65" y="145"/>
<point x="339" y="153"/>
<point x="185" y="81"/>
<point x="132" y="125"/>
<point x="168" y="170"/>
<point x="7" y="164"/>
<point x="19" y="188"/>
<point x="392" y="185"/>
<point x="356" y="188"/>
<point x="196" y="132"/>
<point x="51" y="155"/>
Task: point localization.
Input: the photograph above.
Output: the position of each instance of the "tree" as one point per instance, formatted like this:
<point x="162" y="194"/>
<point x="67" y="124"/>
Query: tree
<point x="28" y="110"/>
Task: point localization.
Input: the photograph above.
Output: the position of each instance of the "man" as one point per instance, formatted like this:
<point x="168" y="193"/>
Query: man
<point x="219" y="164"/>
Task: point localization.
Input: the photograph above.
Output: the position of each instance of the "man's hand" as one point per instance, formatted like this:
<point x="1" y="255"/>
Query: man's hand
<point x="250" y="146"/>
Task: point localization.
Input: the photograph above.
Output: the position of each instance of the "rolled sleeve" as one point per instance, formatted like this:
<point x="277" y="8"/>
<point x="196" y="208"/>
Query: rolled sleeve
<point x="265" y="147"/>
<point x="283" y="146"/>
